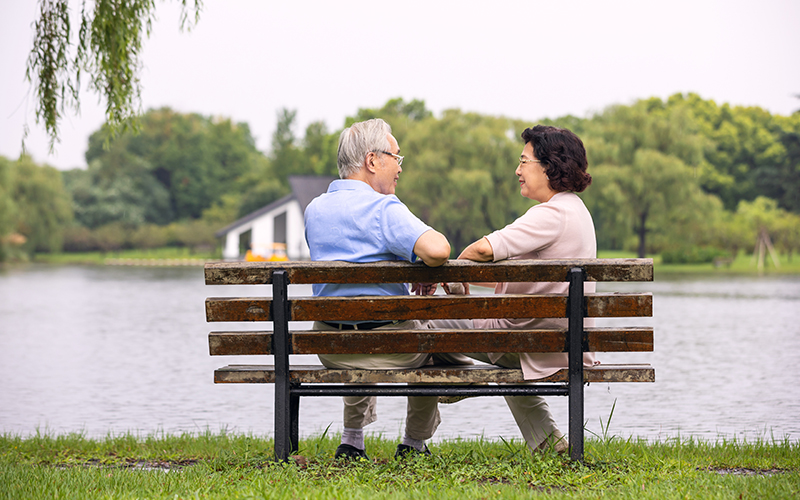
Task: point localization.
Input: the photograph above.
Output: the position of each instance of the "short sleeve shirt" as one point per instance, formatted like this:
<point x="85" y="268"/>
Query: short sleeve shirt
<point x="352" y="222"/>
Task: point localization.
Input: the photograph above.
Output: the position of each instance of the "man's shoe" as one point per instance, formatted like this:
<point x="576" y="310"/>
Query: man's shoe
<point x="350" y="453"/>
<point x="560" y="446"/>
<point x="405" y="451"/>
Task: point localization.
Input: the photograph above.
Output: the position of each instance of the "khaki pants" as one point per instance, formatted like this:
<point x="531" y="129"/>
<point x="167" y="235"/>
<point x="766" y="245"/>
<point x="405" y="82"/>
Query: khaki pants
<point x="531" y="413"/>
<point x="422" y="413"/>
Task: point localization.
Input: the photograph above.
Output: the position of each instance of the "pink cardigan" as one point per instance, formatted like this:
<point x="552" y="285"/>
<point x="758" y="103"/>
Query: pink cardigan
<point x="561" y="228"/>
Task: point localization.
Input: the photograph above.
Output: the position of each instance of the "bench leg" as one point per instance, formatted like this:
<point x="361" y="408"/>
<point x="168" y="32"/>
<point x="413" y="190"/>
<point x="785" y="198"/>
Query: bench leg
<point x="294" y="411"/>
<point x="576" y="313"/>
<point x="283" y="393"/>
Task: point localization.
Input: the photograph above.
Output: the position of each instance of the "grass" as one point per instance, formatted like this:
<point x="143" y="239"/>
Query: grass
<point x="741" y="265"/>
<point x="238" y="466"/>
<point x="99" y="258"/>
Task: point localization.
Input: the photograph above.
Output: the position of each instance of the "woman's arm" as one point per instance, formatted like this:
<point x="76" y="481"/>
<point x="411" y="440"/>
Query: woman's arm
<point x="479" y="251"/>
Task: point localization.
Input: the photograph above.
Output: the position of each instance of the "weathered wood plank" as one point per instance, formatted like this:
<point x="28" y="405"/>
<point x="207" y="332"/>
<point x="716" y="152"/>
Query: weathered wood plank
<point x="304" y="272"/>
<point x="608" y="305"/>
<point x="264" y="374"/>
<point x="636" y="339"/>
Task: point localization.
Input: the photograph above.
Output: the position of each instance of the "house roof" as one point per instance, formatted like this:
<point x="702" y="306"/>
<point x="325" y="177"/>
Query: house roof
<point x="308" y="187"/>
<point x="304" y="189"/>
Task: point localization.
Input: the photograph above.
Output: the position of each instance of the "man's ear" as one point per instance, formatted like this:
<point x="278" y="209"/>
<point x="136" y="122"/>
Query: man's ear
<point x="369" y="162"/>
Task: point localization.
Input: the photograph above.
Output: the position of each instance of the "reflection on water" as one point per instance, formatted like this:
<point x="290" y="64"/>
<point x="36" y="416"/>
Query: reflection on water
<point x="110" y="350"/>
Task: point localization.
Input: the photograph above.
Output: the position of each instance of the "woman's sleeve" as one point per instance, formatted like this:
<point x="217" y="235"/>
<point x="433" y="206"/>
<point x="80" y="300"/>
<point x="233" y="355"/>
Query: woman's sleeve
<point x="536" y="229"/>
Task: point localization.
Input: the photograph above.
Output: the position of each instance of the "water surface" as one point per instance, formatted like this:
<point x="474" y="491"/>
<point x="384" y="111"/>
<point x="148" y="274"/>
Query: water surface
<point x="110" y="350"/>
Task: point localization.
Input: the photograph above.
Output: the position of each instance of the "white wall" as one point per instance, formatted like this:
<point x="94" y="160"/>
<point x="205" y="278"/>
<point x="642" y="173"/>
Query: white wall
<point x="262" y="233"/>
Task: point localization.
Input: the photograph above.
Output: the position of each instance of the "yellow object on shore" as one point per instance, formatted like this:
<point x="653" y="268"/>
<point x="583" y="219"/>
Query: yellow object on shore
<point x="277" y="254"/>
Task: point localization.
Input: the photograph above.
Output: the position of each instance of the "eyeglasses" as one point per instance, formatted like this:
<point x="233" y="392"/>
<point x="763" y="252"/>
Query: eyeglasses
<point x="396" y="157"/>
<point x="522" y="159"/>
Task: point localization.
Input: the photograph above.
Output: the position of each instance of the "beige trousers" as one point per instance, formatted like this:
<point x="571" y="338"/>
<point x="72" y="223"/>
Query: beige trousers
<point x="422" y="412"/>
<point x="531" y="413"/>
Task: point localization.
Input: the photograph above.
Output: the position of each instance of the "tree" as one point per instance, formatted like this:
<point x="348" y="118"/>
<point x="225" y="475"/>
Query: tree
<point x="130" y="195"/>
<point x="108" y="46"/>
<point x="762" y="218"/>
<point x="644" y="160"/>
<point x="43" y="205"/>
<point x="401" y="115"/>
<point x="286" y="157"/>
<point x="8" y="208"/>
<point x="197" y="160"/>
<point x="459" y="174"/>
<point x="752" y="152"/>
<point x="644" y="193"/>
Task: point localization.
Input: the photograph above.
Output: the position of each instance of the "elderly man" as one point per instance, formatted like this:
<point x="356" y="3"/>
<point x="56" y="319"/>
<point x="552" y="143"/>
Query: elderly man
<point x="359" y="219"/>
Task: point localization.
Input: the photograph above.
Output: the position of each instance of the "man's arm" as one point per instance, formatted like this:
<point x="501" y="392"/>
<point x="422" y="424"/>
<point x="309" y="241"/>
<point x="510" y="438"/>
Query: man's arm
<point x="433" y="248"/>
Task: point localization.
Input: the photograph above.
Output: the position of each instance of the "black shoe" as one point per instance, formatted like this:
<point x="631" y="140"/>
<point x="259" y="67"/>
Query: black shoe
<point x="350" y="453"/>
<point x="405" y="451"/>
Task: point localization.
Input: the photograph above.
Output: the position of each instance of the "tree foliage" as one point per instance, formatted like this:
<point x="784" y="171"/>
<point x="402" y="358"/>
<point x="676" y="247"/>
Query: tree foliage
<point x="38" y="207"/>
<point x="684" y="176"/>
<point x="108" y="48"/>
<point x="177" y="166"/>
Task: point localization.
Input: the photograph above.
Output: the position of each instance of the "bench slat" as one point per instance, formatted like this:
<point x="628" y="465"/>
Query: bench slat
<point x="636" y="339"/>
<point x="313" y="374"/>
<point x="304" y="272"/>
<point x="372" y="308"/>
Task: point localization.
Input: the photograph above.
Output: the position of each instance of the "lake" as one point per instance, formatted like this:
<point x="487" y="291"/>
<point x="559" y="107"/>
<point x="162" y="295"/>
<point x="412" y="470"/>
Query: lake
<point x="111" y="350"/>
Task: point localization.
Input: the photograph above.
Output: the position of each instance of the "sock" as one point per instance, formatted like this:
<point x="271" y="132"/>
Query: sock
<point x="417" y="444"/>
<point x="353" y="437"/>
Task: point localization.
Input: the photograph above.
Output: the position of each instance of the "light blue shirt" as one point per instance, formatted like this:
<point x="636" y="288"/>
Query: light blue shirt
<point x="354" y="223"/>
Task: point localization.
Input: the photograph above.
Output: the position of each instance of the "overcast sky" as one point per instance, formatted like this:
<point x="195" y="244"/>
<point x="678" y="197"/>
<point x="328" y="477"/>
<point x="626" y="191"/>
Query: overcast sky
<point x="247" y="59"/>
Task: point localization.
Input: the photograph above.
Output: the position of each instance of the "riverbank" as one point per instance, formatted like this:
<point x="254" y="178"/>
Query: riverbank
<point x="743" y="264"/>
<point x="238" y="466"/>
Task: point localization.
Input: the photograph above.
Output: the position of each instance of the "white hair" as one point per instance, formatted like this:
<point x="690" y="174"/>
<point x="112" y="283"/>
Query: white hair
<point x="359" y="139"/>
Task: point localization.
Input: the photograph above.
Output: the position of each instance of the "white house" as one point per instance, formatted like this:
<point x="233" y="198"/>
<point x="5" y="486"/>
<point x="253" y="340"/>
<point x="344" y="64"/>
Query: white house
<point x="279" y="222"/>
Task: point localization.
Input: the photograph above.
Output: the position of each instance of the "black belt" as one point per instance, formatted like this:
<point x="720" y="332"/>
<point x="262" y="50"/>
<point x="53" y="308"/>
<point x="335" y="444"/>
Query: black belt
<point x="367" y="325"/>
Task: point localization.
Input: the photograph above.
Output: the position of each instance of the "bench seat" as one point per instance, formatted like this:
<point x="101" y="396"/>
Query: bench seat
<point x="315" y="374"/>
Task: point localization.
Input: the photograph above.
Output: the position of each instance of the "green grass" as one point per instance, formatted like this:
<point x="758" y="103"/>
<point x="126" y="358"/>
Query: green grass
<point x="743" y="264"/>
<point x="237" y="466"/>
<point x="100" y="258"/>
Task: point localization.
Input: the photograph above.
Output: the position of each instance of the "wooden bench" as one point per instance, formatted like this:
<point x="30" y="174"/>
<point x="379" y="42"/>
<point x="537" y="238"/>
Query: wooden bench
<point x="292" y="382"/>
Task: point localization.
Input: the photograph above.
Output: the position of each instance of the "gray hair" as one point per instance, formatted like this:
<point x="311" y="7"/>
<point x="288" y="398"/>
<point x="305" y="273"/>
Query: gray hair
<point x="359" y="139"/>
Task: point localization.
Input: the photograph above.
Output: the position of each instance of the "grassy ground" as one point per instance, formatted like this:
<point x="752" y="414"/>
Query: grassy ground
<point x="743" y="264"/>
<point x="235" y="466"/>
<point x="100" y="258"/>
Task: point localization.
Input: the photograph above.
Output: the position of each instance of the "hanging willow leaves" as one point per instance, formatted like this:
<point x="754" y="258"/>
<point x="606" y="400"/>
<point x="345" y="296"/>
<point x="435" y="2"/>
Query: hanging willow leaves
<point x="108" y="49"/>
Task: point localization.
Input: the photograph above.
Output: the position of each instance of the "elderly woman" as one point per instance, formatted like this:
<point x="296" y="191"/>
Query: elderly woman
<point x="551" y="170"/>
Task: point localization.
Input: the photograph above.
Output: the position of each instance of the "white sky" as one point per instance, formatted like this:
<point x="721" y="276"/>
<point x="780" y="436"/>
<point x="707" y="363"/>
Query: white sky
<point x="246" y="59"/>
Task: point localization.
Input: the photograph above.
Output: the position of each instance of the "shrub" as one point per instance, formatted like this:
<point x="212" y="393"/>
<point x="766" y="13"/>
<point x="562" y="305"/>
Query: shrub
<point x="693" y="255"/>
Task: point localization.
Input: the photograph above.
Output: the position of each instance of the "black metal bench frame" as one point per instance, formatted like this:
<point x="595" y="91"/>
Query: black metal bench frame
<point x="288" y="392"/>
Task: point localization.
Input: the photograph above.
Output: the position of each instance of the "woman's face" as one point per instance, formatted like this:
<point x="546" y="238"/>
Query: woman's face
<point x="533" y="182"/>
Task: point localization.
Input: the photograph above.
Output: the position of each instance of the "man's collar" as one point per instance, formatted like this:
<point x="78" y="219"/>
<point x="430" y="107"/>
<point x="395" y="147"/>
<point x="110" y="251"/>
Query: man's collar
<point x="349" y="184"/>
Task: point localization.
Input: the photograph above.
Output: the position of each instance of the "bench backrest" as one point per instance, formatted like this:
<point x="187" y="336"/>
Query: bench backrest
<point x="374" y="308"/>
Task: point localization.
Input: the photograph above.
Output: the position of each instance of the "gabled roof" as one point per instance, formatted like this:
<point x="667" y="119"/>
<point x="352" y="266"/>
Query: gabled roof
<point x="308" y="187"/>
<point x="304" y="189"/>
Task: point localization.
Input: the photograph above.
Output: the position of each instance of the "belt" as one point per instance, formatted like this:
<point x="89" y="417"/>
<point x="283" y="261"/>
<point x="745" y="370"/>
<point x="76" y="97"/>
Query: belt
<point x="366" y="325"/>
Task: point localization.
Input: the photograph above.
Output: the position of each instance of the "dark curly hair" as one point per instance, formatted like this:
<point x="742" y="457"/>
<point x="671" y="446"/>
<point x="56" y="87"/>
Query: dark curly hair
<point x="562" y="155"/>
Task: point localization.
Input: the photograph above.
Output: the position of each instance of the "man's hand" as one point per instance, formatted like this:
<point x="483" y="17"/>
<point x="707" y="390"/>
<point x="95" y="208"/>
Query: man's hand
<point x="423" y="288"/>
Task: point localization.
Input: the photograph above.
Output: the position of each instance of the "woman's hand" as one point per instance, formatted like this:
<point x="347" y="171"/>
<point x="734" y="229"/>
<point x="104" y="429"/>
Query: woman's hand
<point x="456" y="288"/>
